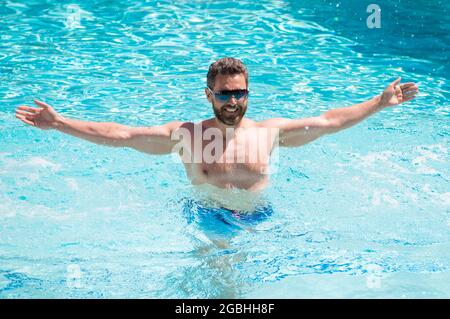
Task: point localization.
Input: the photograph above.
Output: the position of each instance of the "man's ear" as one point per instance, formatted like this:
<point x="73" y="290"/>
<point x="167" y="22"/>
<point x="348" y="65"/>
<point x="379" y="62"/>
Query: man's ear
<point x="208" y="95"/>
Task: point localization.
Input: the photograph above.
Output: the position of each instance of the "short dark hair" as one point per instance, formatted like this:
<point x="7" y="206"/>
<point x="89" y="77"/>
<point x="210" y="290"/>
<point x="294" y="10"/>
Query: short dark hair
<point x="225" y="66"/>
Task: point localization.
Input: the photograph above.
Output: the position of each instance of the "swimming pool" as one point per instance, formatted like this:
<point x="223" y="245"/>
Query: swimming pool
<point x="362" y="213"/>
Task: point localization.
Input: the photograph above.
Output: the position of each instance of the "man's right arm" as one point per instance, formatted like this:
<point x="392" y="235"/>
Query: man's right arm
<point x="153" y="140"/>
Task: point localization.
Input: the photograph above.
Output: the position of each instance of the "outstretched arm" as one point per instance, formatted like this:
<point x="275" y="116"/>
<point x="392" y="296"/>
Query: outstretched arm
<point x="301" y="131"/>
<point x="153" y="140"/>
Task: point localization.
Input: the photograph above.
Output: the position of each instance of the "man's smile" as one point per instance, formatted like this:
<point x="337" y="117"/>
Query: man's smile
<point x="231" y="109"/>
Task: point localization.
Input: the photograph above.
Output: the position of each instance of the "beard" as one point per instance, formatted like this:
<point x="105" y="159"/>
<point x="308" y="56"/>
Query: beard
<point x="230" y="118"/>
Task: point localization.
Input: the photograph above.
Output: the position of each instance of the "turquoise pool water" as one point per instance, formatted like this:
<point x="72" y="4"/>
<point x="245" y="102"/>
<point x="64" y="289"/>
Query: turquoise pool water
<point x="362" y="213"/>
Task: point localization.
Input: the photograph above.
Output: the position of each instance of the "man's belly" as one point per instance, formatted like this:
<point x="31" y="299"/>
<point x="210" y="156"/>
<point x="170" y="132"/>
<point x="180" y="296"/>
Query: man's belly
<point x="241" y="176"/>
<point x="242" y="200"/>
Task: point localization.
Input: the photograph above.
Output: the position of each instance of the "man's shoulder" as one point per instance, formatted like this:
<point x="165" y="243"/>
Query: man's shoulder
<point x="174" y="125"/>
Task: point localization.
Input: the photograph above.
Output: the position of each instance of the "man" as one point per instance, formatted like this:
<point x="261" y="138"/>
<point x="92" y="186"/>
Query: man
<point x="220" y="151"/>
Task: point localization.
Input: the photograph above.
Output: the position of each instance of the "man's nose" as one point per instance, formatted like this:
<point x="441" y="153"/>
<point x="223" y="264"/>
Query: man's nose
<point x="232" y="100"/>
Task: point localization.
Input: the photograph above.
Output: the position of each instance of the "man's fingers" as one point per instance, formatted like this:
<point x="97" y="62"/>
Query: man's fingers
<point x="26" y="114"/>
<point x="411" y="91"/>
<point x="409" y="88"/>
<point x="27" y="108"/>
<point x="25" y="120"/>
<point x="41" y="104"/>
<point x="409" y="95"/>
<point x="408" y="85"/>
<point x="27" y="117"/>
<point x="393" y="84"/>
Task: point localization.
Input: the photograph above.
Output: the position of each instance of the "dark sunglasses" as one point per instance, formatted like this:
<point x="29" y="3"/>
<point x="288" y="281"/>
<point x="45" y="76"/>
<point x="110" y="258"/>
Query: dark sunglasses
<point x="224" y="96"/>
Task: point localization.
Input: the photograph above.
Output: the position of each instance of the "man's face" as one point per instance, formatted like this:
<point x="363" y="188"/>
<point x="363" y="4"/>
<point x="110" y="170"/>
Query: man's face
<point x="232" y="111"/>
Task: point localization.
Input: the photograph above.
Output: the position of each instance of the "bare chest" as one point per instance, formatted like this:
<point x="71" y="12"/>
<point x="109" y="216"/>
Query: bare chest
<point x="241" y="162"/>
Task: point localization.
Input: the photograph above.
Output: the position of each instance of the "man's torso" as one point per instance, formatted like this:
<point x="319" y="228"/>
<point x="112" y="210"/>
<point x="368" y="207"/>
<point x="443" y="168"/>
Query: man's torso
<point x="238" y="158"/>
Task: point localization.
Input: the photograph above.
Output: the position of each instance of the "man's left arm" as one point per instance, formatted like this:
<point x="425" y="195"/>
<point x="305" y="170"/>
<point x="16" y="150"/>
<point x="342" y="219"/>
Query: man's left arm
<point x="394" y="94"/>
<point x="302" y="131"/>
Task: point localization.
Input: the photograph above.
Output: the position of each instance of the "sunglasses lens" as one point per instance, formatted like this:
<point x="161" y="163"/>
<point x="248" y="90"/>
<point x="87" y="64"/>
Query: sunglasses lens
<point x="239" y="96"/>
<point x="225" y="96"/>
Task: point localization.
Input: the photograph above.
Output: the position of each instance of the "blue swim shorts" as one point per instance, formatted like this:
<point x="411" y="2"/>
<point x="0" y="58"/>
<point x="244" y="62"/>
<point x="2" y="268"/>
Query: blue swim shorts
<point x="223" y="221"/>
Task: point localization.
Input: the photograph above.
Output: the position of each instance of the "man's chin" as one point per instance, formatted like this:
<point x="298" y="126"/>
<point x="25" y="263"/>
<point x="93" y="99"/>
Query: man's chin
<point x="230" y="121"/>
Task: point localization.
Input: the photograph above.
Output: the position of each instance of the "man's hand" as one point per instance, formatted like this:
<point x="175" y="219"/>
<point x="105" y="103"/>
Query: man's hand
<point x="43" y="117"/>
<point x="396" y="93"/>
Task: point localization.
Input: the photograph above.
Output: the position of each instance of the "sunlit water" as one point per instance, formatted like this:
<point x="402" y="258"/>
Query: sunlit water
<point x="362" y="213"/>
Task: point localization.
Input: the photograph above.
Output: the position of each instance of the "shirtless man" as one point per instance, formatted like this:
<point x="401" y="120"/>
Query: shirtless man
<point x="223" y="167"/>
